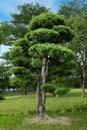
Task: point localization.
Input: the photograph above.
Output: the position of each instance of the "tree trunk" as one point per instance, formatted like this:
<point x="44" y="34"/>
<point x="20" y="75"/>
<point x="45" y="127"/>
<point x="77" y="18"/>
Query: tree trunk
<point x="41" y="108"/>
<point x="83" y="82"/>
<point x="25" y="92"/>
<point x="37" y="89"/>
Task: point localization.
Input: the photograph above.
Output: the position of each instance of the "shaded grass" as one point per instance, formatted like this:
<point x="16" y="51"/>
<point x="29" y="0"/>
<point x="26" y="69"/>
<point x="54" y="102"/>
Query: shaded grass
<point x="78" y="121"/>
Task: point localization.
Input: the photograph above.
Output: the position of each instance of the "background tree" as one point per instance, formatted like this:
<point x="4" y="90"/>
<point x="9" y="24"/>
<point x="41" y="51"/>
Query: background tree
<point x="22" y="19"/>
<point x="6" y="29"/>
<point x="72" y="8"/>
<point x="79" y="45"/>
<point x="4" y="77"/>
<point x="74" y="11"/>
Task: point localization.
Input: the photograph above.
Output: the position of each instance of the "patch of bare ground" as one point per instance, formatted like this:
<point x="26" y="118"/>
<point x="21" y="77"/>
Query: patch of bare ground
<point x="48" y="120"/>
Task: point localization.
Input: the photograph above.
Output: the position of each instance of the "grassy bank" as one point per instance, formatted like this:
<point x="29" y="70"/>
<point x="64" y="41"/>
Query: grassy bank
<point x="66" y="113"/>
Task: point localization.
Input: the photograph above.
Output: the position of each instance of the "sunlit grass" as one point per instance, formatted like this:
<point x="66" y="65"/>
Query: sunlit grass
<point x="16" y="112"/>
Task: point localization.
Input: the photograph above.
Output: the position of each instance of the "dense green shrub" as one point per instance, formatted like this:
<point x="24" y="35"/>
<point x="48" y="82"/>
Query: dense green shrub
<point x="61" y="90"/>
<point x="1" y="97"/>
<point x="49" y="88"/>
<point x="68" y="108"/>
<point x="55" y="90"/>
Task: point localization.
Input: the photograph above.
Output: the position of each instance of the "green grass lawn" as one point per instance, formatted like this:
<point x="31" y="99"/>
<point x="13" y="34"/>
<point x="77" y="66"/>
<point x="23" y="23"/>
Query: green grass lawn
<point x="65" y="113"/>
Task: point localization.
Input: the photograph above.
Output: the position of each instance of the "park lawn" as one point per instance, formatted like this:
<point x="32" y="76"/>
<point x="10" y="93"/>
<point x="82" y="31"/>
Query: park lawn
<point x="19" y="113"/>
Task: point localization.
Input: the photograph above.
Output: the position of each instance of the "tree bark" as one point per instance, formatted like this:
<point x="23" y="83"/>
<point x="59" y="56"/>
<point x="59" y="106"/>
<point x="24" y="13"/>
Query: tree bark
<point x="37" y="89"/>
<point x="41" y="108"/>
<point x="83" y="82"/>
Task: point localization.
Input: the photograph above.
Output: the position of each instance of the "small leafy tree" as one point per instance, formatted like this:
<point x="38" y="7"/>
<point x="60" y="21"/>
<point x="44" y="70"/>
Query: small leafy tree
<point x="24" y="75"/>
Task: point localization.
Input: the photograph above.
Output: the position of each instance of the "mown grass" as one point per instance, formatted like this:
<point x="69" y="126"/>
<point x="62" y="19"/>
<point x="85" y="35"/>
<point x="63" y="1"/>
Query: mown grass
<point x="19" y="112"/>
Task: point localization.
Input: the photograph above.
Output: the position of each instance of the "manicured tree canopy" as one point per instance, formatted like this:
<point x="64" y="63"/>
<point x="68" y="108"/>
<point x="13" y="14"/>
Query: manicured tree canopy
<point x="43" y="35"/>
<point x="46" y="20"/>
<point x="46" y="31"/>
<point x="50" y="28"/>
<point x="52" y="51"/>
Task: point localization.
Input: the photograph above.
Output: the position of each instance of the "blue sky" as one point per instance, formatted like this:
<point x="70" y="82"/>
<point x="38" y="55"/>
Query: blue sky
<point x="10" y="6"/>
